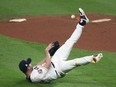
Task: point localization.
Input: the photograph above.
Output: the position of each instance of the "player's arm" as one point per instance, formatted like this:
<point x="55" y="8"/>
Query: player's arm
<point x="47" y="60"/>
<point x="48" y="57"/>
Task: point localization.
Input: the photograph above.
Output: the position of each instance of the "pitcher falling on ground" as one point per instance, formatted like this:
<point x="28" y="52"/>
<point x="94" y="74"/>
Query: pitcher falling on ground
<point x="57" y="65"/>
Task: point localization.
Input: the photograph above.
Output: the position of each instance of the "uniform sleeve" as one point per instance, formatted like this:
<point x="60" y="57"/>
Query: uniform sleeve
<point x="38" y="74"/>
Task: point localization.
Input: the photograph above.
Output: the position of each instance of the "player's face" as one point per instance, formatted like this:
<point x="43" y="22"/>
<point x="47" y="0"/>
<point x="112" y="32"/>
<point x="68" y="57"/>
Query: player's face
<point x="30" y="66"/>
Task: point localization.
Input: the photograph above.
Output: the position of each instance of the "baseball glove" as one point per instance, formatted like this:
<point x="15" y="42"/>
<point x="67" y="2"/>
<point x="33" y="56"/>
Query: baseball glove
<point x="55" y="48"/>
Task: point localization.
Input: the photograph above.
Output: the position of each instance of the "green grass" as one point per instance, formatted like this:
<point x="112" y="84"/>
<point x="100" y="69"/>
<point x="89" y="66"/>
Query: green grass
<point x="16" y="8"/>
<point x="102" y="74"/>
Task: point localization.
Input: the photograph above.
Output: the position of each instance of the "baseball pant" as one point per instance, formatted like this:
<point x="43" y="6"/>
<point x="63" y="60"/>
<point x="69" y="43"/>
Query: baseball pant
<point x="63" y="52"/>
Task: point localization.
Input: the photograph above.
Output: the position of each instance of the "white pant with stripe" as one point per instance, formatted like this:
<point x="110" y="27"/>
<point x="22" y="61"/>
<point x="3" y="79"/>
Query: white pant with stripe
<point x="61" y="55"/>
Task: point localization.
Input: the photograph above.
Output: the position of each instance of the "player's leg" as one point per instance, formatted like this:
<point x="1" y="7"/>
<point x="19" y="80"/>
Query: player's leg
<point x="69" y="65"/>
<point x="63" y="52"/>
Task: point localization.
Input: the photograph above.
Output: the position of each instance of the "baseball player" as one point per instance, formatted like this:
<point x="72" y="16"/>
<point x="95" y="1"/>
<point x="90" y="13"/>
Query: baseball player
<point x="57" y="65"/>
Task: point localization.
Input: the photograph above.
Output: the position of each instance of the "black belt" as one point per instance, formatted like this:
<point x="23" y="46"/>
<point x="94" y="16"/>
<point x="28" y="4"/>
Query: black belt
<point x="61" y="75"/>
<point x="55" y="69"/>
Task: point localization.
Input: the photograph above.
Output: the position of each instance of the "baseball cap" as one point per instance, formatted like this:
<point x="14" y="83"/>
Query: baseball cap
<point x="24" y="64"/>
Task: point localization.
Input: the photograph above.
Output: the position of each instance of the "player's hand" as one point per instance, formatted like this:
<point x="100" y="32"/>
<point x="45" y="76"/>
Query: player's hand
<point x="49" y="47"/>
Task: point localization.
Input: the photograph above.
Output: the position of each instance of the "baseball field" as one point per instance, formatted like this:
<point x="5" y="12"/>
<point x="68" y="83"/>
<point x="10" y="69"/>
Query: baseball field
<point x="47" y="21"/>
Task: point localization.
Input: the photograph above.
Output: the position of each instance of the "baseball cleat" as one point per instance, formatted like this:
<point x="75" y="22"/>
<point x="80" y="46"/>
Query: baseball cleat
<point x="83" y="18"/>
<point x="96" y="57"/>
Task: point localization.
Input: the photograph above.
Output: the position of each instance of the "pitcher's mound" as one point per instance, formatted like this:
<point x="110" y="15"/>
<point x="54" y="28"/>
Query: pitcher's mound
<point x="45" y="29"/>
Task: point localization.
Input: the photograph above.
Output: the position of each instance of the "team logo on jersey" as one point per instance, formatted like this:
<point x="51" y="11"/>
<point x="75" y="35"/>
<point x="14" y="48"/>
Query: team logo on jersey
<point x="40" y="71"/>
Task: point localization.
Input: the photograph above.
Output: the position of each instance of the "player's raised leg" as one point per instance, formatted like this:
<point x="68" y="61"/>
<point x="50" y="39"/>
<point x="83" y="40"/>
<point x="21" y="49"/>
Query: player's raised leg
<point x="64" y="51"/>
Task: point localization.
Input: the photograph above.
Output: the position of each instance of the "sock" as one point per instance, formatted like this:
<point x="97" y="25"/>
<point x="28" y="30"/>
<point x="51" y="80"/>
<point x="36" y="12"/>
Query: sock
<point x="82" y="22"/>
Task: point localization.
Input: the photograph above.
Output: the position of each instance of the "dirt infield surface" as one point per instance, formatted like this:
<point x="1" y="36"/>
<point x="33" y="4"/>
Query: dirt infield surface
<point x="45" y="29"/>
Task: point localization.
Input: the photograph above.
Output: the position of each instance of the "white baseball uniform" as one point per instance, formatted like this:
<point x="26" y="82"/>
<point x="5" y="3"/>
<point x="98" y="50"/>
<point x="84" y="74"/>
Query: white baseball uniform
<point x="60" y="65"/>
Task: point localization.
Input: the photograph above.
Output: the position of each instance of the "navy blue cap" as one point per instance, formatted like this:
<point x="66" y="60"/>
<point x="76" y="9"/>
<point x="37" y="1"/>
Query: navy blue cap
<point x="24" y="64"/>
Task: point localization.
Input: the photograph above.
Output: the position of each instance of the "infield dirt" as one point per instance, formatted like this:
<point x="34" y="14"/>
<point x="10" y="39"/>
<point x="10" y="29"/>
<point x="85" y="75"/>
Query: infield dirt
<point x="45" y="29"/>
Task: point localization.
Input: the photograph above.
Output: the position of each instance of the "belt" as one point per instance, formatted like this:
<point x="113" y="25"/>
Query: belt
<point x="61" y="75"/>
<point x="55" y="69"/>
